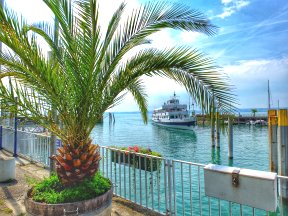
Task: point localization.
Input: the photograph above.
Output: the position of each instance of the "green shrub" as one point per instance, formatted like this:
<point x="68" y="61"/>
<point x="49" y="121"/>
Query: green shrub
<point x="51" y="191"/>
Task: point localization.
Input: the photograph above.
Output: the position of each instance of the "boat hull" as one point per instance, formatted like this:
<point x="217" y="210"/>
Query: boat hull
<point x="178" y="125"/>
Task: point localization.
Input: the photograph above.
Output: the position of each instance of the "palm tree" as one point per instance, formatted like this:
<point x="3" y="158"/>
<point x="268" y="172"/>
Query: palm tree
<point x="254" y="111"/>
<point x="87" y="73"/>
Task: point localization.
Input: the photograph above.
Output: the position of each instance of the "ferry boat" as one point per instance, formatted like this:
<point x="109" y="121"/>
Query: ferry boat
<point x="173" y="114"/>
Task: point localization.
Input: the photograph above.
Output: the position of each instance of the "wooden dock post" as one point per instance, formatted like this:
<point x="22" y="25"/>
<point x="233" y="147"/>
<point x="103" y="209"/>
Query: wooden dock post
<point x="217" y="130"/>
<point x="283" y="150"/>
<point x="230" y="138"/>
<point x="272" y="136"/>
<point x="212" y="119"/>
<point x="212" y="122"/>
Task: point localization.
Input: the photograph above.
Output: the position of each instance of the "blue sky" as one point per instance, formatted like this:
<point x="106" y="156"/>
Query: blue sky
<point x="250" y="47"/>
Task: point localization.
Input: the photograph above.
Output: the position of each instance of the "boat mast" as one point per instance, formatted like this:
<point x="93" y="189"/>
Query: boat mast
<point x="269" y="106"/>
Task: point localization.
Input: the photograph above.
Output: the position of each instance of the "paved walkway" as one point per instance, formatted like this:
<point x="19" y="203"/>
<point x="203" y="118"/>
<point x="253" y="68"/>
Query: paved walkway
<point x="12" y="194"/>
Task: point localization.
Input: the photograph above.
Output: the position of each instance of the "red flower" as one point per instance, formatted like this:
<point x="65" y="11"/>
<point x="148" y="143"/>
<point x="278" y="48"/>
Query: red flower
<point x="136" y="148"/>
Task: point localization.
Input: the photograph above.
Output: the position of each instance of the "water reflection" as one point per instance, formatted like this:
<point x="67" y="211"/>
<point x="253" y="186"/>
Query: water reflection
<point x="215" y="156"/>
<point x="175" y="143"/>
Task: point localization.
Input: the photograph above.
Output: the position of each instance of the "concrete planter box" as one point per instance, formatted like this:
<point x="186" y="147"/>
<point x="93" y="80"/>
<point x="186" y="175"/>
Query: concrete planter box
<point x="7" y="169"/>
<point x="101" y="206"/>
<point x="135" y="161"/>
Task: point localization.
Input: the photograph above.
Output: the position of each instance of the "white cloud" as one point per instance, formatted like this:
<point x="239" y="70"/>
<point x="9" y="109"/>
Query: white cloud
<point x="189" y="37"/>
<point x="226" y="1"/>
<point x="232" y="6"/>
<point x="162" y="39"/>
<point x="32" y="10"/>
<point x="250" y="78"/>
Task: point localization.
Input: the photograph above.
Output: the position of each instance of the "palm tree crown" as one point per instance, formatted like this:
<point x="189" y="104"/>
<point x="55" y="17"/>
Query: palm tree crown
<point x="89" y="71"/>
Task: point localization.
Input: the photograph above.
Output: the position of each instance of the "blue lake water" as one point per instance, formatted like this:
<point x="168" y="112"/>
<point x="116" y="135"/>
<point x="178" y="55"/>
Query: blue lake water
<point x="250" y="142"/>
<point x="250" y="151"/>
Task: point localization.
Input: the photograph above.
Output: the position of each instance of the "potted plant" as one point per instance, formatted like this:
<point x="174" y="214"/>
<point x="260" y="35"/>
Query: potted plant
<point x="88" y="72"/>
<point x="138" y="157"/>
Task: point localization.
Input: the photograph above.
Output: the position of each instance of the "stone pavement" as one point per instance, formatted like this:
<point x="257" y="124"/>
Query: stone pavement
<point x="12" y="193"/>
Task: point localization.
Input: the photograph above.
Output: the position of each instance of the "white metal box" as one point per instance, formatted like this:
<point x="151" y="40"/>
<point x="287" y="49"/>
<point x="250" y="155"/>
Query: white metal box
<point x="257" y="189"/>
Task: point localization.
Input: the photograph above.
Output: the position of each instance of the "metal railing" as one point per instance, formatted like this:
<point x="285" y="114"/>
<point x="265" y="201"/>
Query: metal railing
<point x="34" y="146"/>
<point x="170" y="187"/>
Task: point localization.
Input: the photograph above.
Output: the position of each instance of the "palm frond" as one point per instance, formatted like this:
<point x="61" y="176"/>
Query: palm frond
<point x="87" y="73"/>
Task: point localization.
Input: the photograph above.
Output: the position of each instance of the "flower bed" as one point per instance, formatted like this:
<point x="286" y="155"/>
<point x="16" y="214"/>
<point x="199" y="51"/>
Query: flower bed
<point x="137" y="161"/>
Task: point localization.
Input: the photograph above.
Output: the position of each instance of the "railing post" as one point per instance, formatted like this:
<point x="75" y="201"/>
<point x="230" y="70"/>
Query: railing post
<point x="283" y="150"/>
<point x="169" y="176"/>
<point x="15" y="132"/>
<point x="53" y="138"/>
<point x="272" y="131"/>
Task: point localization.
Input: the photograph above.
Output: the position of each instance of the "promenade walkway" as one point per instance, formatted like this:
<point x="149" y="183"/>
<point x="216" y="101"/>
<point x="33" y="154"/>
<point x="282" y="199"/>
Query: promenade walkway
<point x="12" y="194"/>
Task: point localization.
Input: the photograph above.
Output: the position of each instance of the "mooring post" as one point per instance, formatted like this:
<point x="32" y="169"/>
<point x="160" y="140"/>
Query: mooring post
<point x="217" y="130"/>
<point x="230" y="138"/>
<point x="283" y="150"/>
<point x="212" y="119"/>
<point x="272" y="136"/>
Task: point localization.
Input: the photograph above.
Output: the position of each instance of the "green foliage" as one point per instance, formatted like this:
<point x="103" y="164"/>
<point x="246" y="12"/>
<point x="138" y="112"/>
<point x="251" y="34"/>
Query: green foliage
<point x="51" y="191"/>
<point x="89" y="71"/>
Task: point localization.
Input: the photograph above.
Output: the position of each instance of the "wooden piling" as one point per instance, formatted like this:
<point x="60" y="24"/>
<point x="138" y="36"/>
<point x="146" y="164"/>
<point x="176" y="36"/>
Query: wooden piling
<point x="230" y="138"/>
<point x="272" y="140"/>
<point x="283" y="150"/>
<point x="217" y="130"/>
<point x="212" y="117"/>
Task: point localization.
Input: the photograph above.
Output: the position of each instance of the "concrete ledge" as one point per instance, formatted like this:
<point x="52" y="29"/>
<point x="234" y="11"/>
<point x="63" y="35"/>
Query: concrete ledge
<point x="7" y="169"/>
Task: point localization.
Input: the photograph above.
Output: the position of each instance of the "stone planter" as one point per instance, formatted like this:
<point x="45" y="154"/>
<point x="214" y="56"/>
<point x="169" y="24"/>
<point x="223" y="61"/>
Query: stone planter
<point x="7" y="169"/>
<point x="101" y="206"/>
